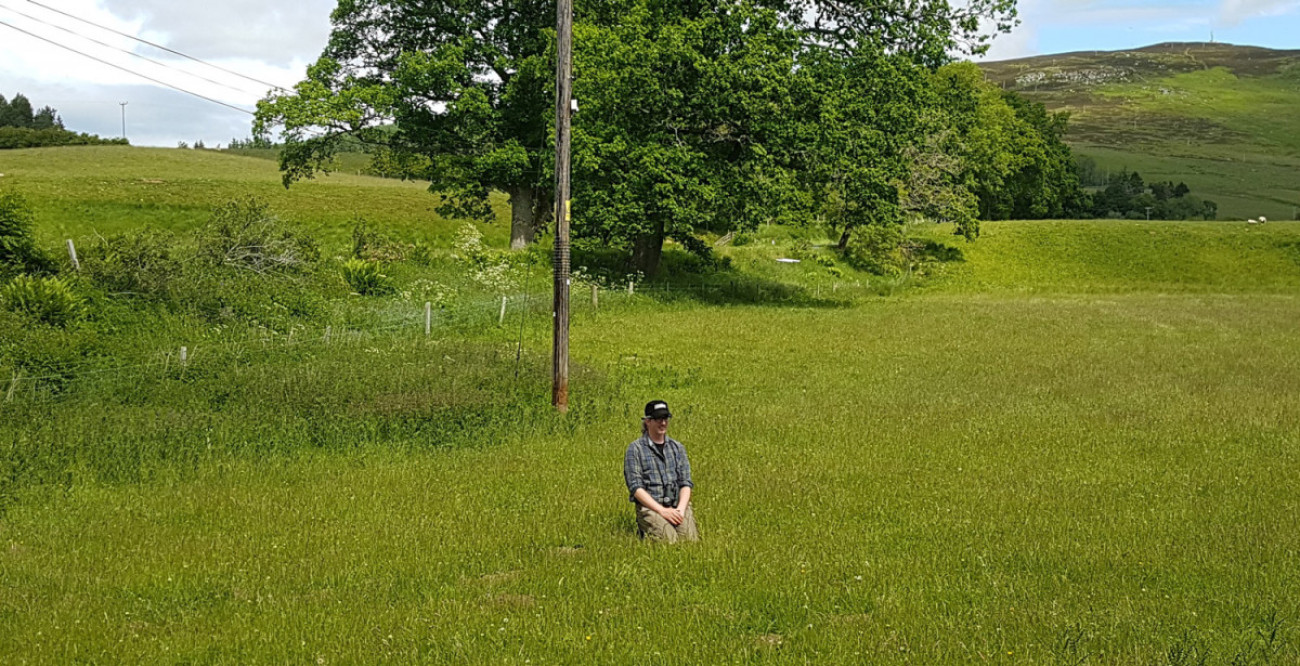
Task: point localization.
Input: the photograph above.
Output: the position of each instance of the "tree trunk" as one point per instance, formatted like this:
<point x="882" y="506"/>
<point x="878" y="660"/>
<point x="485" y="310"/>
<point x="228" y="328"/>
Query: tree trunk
<point x="844" y="238"/>
<point x="648" y="249"/>
<point x="523" y="217"/>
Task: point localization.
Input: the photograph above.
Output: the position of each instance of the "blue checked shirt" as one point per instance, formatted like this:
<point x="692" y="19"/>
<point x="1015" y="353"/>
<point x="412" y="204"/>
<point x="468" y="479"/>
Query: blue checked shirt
<point x="662" y="470"/>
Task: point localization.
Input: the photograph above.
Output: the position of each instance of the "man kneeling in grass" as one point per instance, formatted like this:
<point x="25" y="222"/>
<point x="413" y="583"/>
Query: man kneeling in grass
<point x="658" y="478"/>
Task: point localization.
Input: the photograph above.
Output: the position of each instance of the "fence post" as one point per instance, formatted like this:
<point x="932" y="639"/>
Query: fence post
<point x="185" y="356"/>
<point x="72" y="254"/>
<point x="595" y="297"/>
<point x="13" y="384"/>
<point x="501" y="321"/>
<point x="631" y="287"/>
<point x="328" y="330"/>
<point x="428" y="317"/>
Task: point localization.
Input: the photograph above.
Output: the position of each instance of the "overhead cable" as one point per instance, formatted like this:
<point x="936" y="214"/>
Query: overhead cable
<point x="156" y="45"/>
<point x="126" y="51"/>
<point x="124" y="69"/>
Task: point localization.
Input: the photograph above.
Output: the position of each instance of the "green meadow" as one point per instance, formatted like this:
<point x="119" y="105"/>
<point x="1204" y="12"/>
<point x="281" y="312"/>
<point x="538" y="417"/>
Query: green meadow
<point x="1072" y="443"/>
<point x="1218" y="117"/>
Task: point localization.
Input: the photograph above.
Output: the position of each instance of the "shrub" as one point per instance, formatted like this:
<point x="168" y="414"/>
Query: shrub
<point x="243" y="234"/>
<point x="492" y="268"/>
<point x="18" y="251"/>
<point x="45" y="299"/>
<point x="421" y="253"/>
<point x="142" y="262"/>
<point x="372" y="245"/>
<point x="365" y="277"/>
<point x="877" y="248"/>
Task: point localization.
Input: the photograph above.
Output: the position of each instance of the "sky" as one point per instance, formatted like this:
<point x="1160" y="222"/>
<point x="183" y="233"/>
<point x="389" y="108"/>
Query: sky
<point x="273" y="41"/>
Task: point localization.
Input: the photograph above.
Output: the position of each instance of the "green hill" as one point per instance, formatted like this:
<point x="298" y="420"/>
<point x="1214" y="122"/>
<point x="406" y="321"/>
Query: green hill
<point x="1220" y="117"/>
<point x="81" y="191"/>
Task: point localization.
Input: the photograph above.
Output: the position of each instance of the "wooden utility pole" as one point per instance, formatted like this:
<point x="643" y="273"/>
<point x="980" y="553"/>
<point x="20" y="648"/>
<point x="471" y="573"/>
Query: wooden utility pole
<point x="563" y="95"/>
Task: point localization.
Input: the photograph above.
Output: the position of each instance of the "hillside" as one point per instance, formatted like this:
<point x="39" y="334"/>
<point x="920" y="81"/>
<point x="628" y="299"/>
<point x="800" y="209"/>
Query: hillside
<point x="1218" y="116"/>
<point x="82" y="191"/>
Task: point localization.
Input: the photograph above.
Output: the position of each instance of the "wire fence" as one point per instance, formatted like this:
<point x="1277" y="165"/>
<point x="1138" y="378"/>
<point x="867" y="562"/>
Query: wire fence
<point x="394" y="325"/>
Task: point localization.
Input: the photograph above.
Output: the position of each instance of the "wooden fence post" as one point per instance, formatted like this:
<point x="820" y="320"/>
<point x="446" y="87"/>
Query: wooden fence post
<point x="72" y="254"/>
<point x="631" y="287"/>
<point x="328" y="330"/>
<point x="13" y="384"/>
<point x="595" y="297"/>
<point x="501" y="320"/>
<point x="428" y="317"/>
<point x="185" y="356"/>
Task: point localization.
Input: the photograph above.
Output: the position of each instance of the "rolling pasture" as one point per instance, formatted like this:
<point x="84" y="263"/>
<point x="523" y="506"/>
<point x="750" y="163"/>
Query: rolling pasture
<point x="1219" y="117"/>
<point x="1077" y="444"/>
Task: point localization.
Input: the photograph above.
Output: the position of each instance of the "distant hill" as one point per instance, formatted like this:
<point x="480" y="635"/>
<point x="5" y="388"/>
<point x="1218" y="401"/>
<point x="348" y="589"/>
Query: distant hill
<point x="1223" y="118"/>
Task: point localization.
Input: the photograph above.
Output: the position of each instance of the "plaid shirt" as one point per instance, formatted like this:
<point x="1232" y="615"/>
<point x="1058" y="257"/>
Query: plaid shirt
<point x="662" y="470"/>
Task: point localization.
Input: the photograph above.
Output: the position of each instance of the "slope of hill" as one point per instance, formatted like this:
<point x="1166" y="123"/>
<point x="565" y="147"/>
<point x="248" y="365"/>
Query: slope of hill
<point x="81" y="191"/>
<point x="1220" y="117"/>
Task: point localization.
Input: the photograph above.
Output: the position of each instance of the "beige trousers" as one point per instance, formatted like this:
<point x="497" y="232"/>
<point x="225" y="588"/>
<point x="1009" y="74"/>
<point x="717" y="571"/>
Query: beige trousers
<point x="653" y="526"/>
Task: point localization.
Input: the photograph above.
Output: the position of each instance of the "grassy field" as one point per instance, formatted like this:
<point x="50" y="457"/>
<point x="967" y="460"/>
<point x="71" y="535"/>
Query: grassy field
<point x="1216" y="116"/>
<point x="1077" y="445"/>
<point x="81" y="191"/>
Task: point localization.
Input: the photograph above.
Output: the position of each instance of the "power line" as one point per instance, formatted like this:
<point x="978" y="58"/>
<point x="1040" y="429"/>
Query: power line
<point x="124" y="69"/>
<point x="156" y="45"/>
<point x="128" y="52"/>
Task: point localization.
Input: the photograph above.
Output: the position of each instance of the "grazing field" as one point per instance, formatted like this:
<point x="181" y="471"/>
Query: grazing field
<point x="1079" y="443"/>
<point x="1218" y="117"/>
<point x="82" y="191"/>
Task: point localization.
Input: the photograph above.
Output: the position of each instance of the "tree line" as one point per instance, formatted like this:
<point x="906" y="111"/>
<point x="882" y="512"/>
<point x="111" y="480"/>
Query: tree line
<point x="23" y="127"/>
<point x="695" y="116"/>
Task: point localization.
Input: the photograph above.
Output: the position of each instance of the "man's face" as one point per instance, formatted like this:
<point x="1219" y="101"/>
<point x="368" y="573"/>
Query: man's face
<point x="656" y="427"/>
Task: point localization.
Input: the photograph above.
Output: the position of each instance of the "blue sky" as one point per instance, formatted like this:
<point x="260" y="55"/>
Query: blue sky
<point x="274" y="40"/>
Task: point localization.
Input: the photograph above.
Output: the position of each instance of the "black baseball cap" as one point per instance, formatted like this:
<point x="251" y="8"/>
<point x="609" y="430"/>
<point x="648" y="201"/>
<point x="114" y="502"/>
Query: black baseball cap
<point x="657" y="409"/>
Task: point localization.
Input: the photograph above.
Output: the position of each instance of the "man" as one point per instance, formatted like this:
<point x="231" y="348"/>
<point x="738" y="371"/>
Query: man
<point x="658" y="479"/>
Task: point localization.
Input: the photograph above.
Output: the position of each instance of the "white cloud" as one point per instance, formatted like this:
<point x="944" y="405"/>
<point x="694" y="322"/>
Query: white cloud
<point x="1235" y="11"/>
<point x="271" y="42"/>
<point x="276" y="33"/>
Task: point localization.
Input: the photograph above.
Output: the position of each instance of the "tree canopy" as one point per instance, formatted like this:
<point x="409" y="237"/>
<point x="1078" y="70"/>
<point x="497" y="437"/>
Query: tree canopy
<point x="454" y="91"/>
<point x="696" y="115"/>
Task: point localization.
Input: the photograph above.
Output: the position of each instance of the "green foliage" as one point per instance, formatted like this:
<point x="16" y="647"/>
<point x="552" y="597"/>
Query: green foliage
<point x="244" y="234"/>
<point x="491" y="269"/>
<point x="46" y="299"/>
<point x="16" y="112"/>
<point x="372" y="245"/>
<point x="21" y="127"/>
<point x="366" y="277"/>
<point x="1010" y="151"/>
<point x="457" y="94"/>
<point x="680" y="113"/>
<point x="1127" y="196"/>
<point x="144" y="263"/>
<point x="31" y="137"/>
<point x="18" y="250"/>
<point x="877" y="248"/>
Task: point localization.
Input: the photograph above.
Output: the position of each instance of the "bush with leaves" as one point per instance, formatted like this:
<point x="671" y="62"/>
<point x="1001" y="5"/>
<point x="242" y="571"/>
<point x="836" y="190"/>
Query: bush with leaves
<point x="493" y="269"/>
<point x="372" y="245"/>
<point x="143" y="262"/>
<point x="48" y="300"/>
<point x="244" y="234"/>
<point x="877" y="248"/>
<point x="18" y="250"/>
<point x="366" y="277"/>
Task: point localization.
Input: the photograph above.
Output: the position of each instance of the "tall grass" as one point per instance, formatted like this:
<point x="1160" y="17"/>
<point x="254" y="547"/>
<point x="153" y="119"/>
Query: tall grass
<point x="1075" y="444"/>
<point x="972" y="479"/>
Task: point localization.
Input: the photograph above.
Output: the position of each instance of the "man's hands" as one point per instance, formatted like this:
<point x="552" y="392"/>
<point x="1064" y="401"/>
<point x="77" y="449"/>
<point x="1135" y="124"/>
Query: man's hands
<point x="672" y="515"/>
